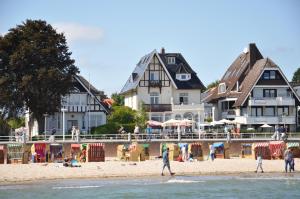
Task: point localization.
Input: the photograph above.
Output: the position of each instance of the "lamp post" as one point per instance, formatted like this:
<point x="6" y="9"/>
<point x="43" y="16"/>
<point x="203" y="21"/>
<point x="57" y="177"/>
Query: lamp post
<point x="63" y="110"/>
<point x="45" y="126"/>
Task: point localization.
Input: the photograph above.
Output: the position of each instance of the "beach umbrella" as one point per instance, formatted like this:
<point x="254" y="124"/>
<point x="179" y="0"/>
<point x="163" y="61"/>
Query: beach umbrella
<point x="171" y="122"/>
<point x="186" y="122"/>
<point x="205" y="124"/>
<point x="154" y="123"/>
<point x="216" y="123"/>
<point x="265" y="126"/>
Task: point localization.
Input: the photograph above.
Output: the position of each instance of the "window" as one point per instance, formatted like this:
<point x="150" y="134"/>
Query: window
<point x="269" y="74"/>
<point x="269" y="111"/>
<point x="177" y="117"/>
<point x="154" y="75"/>
<point x="272" y="74"/>
<point x="183" y="98"/>
<point x="156" y="117"/>
<point x="224" y="106"/>
<point x="183" y="77"/>
<point x="283" y="111"/>
<point x="171" y="60"/>
<point x="269" y="93"/>
<point x="222" y="88"/>
<point x="256" y="111"/>
<point x="154" y="98"/>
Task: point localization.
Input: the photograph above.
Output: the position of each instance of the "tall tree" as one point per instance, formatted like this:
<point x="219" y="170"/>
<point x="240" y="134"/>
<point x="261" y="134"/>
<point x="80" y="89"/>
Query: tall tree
<point x="296" y="77"/>
<point x="35" y="69"/>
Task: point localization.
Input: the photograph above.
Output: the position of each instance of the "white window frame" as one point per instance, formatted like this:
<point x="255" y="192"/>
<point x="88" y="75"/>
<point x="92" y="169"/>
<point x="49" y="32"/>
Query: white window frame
<point x="222" y="88"/>
<point x="185" y="97"/>
<point x="154" y="98"/>
<point x="154" y="76"/>
<point x="171" y="60"/>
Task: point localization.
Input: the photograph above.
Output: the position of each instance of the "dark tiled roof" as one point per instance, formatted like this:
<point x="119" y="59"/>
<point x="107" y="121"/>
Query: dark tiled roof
<point x="181" y="66"/>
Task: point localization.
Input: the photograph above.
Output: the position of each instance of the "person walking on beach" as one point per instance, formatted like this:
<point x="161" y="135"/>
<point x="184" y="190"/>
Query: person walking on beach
<point x="288" y="156"/>
<point x="259" y="163"/>
<point x="166" y="162"/>
<point x="211" y="152"/>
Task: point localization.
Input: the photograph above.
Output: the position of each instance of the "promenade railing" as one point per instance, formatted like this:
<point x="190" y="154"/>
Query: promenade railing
<point x="128" y="137"/>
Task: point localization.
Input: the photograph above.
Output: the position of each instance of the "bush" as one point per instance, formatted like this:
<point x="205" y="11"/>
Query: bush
<point x="112" y="128"/>
<point x="109" y="128"/>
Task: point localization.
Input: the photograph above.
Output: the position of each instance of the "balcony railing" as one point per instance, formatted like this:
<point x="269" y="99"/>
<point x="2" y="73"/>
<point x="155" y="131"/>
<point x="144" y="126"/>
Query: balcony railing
<point x="76" y="108"/>
<point x="266" y="119"/>
<point x="191" y="106"/>
<point x="155" y="83"/>
<point x="157" y="107"/>
<point x="229" y="114"/>
<point x="272" y="101"/>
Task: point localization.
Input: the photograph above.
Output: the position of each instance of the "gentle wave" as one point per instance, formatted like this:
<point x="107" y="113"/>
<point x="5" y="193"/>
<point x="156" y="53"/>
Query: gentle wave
<point x="179" y="181"/>
<point x="78" y="187"/>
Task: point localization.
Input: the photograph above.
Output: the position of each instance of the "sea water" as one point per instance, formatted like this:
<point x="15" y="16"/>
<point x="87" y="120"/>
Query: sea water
<point x="253" y="186"/>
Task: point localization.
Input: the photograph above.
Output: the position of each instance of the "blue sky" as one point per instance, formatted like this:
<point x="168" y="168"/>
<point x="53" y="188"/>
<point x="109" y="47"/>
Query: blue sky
<point x="108" y="38"/>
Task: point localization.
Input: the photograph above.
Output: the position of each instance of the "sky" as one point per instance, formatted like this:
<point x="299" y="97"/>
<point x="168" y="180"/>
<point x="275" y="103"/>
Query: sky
<point x="107" y="38"/>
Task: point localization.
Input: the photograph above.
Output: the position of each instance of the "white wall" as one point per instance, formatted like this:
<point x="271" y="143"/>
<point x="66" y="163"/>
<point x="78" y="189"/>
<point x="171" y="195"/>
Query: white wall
<point x="193" y="96"/>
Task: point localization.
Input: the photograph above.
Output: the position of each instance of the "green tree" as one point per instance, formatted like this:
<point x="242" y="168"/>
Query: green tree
<point x="16" y="122"/>
<point x="141" y="117"/>
<point x="296" y="77"/>
<point x="119" y="99"/>
<point x="213" y="84"/>
<point x="35" y="70"/>
<point x="122" y="115"/>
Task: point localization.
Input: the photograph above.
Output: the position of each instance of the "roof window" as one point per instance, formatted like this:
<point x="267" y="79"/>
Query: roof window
<point x="171" y="60"/>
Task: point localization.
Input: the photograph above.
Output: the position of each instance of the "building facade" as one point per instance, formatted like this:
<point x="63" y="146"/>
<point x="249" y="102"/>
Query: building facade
<point x="83" y="108"/>
<point x="254" y="91"/>
<point x="166" y="86"/>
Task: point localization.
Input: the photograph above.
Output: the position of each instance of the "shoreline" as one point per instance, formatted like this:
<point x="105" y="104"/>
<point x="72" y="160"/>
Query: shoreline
<point x="32" y="173"/>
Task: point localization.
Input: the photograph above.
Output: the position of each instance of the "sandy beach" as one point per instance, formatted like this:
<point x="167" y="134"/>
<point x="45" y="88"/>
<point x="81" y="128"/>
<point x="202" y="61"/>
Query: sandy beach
<point x="19" y="173"/>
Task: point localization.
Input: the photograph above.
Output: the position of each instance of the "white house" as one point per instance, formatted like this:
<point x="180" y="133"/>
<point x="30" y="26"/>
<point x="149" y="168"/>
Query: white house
<point x="166" y="85"/>
<point x="82" y="108"/>
<point x="254" y="91"/>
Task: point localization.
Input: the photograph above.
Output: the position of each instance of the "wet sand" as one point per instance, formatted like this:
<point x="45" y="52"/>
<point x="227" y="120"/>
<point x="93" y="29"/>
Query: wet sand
<point x="20" y="173"/>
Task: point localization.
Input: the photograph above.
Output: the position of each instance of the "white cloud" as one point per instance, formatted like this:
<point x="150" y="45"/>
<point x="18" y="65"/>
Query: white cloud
<point x="79" y="32"/>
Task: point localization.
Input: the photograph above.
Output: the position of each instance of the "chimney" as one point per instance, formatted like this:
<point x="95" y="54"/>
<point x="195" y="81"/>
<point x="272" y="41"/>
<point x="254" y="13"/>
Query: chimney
<point x="254" y="54"/>
<point x="162" y="50"/>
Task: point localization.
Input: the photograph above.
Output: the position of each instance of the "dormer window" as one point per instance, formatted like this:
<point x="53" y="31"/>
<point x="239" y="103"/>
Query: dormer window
<point x="183" y="76"/>
<point x="171" y="60"/>
<point x="222" y="88"/>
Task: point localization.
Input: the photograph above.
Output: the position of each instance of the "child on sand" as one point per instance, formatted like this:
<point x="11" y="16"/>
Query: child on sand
<point x="259" y="163"/>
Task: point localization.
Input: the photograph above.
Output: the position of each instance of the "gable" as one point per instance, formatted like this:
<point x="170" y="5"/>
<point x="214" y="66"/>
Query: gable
<point x="271" y="77"/>
<point x="155" y="73"/>
<point x="140" y="69"/>
<point x="255" y="76"/>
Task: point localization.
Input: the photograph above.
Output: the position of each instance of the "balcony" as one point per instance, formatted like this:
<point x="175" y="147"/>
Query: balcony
<point x="155" y="83"/>
<point x="274" y="101"/>
<point x="157" y="107"/>
<point x="76" y="108"/>
<point x="229" y="114"/>
<point x="187" y="107"/>
<point x="266" y="119"/>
